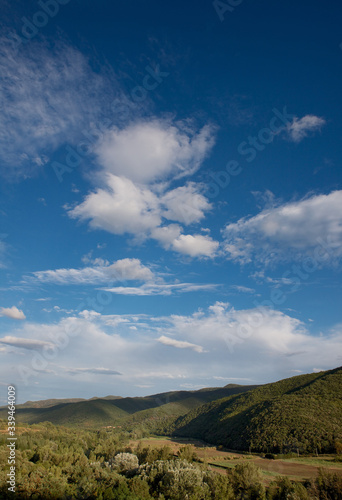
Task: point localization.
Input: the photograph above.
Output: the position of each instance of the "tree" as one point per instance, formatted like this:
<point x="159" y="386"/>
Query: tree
<point x="247" y="482"/>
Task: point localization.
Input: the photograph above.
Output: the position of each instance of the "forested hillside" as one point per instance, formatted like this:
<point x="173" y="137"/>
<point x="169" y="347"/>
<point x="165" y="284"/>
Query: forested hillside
<point x="302" y="413"/>
<point x="113" y="410"/>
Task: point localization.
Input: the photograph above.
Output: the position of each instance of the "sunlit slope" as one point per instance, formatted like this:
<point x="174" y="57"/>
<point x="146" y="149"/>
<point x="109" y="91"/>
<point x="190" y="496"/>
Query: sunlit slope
<point x="303" y="412"/>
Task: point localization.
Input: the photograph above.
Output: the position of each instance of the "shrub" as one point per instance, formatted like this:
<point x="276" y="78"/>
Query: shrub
<point x="284" y="489"/>
<point x="176" y="479"/>
<point x="247" y="482"/>
<point x="125" y="462"/>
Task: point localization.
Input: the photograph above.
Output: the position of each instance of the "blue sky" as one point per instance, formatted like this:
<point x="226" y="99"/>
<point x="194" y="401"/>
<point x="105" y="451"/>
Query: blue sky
<point x="170" y="194"/>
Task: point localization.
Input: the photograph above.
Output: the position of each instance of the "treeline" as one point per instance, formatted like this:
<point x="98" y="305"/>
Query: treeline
<point x="59" y="463"/>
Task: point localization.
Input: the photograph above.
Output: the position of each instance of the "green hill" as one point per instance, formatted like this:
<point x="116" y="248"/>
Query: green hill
<point x="46" y="403"/>
<point x="113" y="410"/>
<point x="301" y="413"/>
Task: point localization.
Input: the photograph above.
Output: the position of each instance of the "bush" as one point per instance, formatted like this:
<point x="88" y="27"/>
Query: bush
<point x="124" y="463"/>
<point x="284" y="489"/>
<point x="329" y="485"/>
<point x="247" y="482"/>
<point x="176" y="479"/>
<point x="187" y="453"/>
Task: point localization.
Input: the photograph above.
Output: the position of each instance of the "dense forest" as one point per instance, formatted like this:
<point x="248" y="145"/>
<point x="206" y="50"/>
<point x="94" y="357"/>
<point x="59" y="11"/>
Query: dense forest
<point x="55" y="462"/>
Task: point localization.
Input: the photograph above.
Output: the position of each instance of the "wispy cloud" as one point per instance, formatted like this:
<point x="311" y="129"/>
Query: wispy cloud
<point x="49" y="95"/>
<point x="3" y="250"/>
<point x="242" y="289"/>
<point x="93" y="371"/>
<point x="162" y="288"/>
<point x="101" y="272"/>
<point x="300" y="128"/>
<point x="179" y="344"/>
<point x="24" y="343"/>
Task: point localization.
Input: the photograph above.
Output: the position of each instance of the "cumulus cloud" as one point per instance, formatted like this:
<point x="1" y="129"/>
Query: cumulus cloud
<point x="310" y="227"/>
<point x="166" y="234"/>
<point x="153" y="150"/>
<point x="195" y="246"/>
<point x="127" y="208"/>
<point x="101" y="272"/>
<point x="300" y="128"/>
<point x="185" y="204"/>
<point x="179" y="344"/>
<point x="12" y="312"/>
<point x="121" y="208"/>
<point x="138" y="164"/>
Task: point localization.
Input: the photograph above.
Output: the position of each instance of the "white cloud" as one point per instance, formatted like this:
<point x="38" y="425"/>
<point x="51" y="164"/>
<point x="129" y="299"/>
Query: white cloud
<point x="12" y="312"/>
<point x="161" y="288"/>
<point x="195" y="246"/>
<point x="166" y="234"/>
<point x="23" y="343"/>
<point x="49" y="95"/>
<point x="153" y="150"/>
<point x="242" y="289"/>
<point x="120" y="271"/>
<point x="93" y="371"/>
<point x="3" y="249"/>
<point x="124" y="207"/>
<point x="260" y="344"/>
<point x="121" y="208"/>
<point x="310" y="227"/>
<point x="185" y="205"/>
<point x="101" y="272"/>
<point x="300" y="128"/>
<point x="179" y="344"/>
<point x="138" y="164"/>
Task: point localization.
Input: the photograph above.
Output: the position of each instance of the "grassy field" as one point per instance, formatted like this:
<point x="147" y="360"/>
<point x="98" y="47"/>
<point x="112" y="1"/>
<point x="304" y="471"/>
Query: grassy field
<point x="295" y="468"/>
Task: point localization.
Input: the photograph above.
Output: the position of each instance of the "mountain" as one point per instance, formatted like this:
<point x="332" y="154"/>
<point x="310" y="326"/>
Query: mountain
<point x="302" y="413"/>
<point x="114" y="410"/>
<point x="46" y="403"/>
